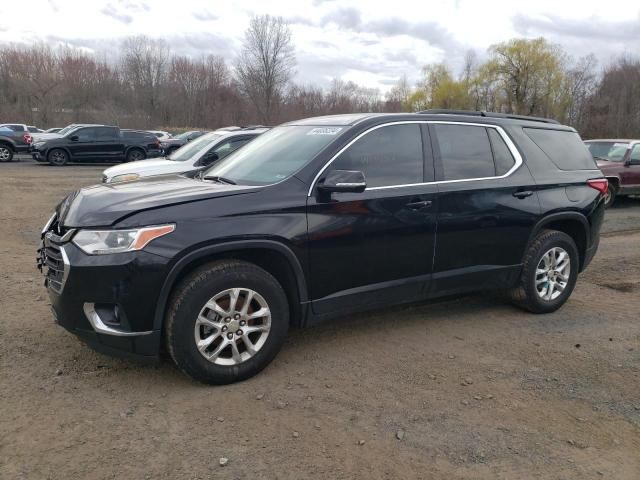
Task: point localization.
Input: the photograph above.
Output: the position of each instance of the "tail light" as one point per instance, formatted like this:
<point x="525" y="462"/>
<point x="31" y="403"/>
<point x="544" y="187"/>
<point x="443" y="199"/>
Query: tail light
<point x="27" y="138"/>
<point x="600" y="184"/>
<point x="157" y="142"/>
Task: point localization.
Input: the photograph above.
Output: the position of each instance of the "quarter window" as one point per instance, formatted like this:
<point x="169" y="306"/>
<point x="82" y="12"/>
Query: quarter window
<point x="635" y="153"/>
<point x="465" y="152"/>
<point x="390" y="155"/>
<point x="501" y="154"/>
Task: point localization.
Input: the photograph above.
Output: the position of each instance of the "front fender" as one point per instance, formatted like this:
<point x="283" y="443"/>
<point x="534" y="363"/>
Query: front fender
<point x="188" y="259"/>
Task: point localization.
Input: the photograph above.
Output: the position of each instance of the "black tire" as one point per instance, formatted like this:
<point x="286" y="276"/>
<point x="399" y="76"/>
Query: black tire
<point x="135" y="154"/>
<point x="6" y="153"/>
<point x="191" y="296"/>
<point x="58" y="157"/>
<point x="610" y="196"/>
<point x="525" y="294"/>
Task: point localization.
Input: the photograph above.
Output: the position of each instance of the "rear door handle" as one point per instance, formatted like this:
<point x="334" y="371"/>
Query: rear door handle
<point x="524" y="194"/>
<point x="419" y="205"/>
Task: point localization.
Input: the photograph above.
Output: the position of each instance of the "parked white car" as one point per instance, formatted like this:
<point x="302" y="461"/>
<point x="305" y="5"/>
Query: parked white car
<point x="162" y="135"/>
<point x="199" y="153"/>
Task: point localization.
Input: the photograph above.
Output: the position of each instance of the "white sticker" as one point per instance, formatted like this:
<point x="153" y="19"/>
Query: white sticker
<point x="324" y="131"/>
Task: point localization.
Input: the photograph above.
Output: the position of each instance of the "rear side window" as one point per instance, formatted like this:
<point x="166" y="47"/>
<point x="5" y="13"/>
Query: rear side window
<point x="390" y="155"/>
<point x="106" y="133"/>
<point x="465" y="152"/>
<point x="635" y="153"/>
<point x="501" y="153"/>
<point x="565" y="149"/>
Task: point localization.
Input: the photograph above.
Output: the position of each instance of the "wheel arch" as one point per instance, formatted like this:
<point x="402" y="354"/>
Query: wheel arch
<point x="573" y="224"/>
<point x="613" y="179"/>
<point x="7" y="142"/>
<point x="274" y="257"/>
<point x="130" y="148"/>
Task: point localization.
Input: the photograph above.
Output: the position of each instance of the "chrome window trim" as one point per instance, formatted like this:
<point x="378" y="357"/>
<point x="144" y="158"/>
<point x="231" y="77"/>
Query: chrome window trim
<point x="510" y="145"/>
<point x="100" y="327"/>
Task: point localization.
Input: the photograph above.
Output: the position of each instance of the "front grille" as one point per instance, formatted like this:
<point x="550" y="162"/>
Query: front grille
<point x="52" y="257"/>
<point x="54" y="263"/>
<point x="104" y="179"/>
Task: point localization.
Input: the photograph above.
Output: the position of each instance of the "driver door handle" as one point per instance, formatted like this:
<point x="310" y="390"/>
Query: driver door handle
<point x="524" y="194"/>
<point x="419" y="205"/>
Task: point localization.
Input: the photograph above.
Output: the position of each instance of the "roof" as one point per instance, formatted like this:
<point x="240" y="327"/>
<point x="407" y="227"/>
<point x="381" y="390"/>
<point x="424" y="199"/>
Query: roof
<point x="433" y="115"/>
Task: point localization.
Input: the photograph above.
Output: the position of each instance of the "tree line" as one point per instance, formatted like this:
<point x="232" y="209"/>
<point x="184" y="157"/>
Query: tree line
<point x="148" y="86"/>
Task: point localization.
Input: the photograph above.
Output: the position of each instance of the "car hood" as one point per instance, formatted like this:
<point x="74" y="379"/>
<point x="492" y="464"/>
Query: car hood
<point x="606" y="163"/>
<point x="147" y="167"/>
<point x="104" y="204"/>
<point x="174" y="141"/>
<point x="41" y="137"/>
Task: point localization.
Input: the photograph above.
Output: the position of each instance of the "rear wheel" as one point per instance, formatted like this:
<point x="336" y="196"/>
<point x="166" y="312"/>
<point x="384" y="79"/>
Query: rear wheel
<point x="226" y="322"/>
<point x="58" y="157"/>
<point x="135" y="155"/>
<point x="549" y="273"/>
<point x="610" y="195"/>
<point x="6" y="153"/>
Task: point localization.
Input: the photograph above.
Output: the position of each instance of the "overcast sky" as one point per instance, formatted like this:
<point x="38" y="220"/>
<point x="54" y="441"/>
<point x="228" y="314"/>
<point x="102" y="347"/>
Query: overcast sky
<point x="370" y="42"/>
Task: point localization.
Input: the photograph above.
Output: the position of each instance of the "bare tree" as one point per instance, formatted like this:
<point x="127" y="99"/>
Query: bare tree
<point x="266" y="63"/>
<point x="144" y="63"/>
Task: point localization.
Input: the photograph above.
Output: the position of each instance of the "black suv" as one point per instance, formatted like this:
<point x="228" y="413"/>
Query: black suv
<point x="96" y="143"/>
<point x="318" y="218"/>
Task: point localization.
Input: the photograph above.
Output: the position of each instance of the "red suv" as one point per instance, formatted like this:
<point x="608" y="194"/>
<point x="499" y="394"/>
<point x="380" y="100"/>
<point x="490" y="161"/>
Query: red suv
<point x="619" y="160"/>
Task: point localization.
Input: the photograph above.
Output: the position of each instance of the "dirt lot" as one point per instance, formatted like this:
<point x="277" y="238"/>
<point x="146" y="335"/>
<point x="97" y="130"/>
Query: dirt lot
<point x="468" y="388"/>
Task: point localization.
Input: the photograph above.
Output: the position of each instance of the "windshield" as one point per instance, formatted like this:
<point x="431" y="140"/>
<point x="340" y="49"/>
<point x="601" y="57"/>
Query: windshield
<point x="194" y="146"/>
<point x="184" y="136"/>
<point x="67" y="129"/>
<point x="274" y="155"/>
<point x="612" y="151"/>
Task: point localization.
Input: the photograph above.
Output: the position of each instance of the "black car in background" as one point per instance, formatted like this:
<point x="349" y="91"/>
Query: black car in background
<point x="319" y="218"/>
<point x="169" y="145"/>
<point x="13" y="141"/>
<point x="96" y="143"/>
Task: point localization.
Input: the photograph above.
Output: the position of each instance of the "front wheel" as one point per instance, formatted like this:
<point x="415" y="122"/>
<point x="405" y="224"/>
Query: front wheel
<point x="58" y="157"/>
<point x="610" y="195"/>
<point x="549" y="273"/>
<point x="226" y="321"/>
<point x="6" y="154"/>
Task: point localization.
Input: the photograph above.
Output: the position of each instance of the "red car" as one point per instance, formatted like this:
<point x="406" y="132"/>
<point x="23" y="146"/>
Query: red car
<point x="619" y="160"/>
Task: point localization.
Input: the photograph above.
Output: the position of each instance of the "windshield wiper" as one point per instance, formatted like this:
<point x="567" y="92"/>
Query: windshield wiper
<point x="220" y="180"/>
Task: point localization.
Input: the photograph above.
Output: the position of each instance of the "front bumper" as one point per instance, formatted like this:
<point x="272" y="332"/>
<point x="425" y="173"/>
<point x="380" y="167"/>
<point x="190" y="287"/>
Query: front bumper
<point x="107" y="300"/>
<point x="38" y="156"/>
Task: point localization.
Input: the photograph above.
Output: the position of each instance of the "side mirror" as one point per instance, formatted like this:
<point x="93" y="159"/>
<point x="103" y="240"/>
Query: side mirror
<point x="74" y="138"/>
<point x="343" y="181"/>
<point x="209" y="158"/>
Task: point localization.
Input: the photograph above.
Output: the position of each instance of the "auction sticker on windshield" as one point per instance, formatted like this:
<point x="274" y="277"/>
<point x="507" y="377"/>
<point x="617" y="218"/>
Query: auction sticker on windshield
<point x="324" y="131"/>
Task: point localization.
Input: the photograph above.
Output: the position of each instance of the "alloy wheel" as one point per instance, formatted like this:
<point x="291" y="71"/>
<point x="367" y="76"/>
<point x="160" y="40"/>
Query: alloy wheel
<point x="553" y="273"/>
<point x="58" y="157"/>
<point x="5" y="154"/>
<point x="232" y="326"/>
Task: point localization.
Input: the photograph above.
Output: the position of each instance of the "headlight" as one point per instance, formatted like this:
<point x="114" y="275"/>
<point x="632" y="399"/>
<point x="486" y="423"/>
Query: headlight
<point x="98" y="242"/>
<point x="125" y="177"/>
<point x="38" y="145"/>
<point x="163" y="145"/>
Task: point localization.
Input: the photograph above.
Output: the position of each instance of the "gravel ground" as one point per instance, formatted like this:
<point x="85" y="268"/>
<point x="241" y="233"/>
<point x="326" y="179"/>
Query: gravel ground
<point x="468" y="388"/>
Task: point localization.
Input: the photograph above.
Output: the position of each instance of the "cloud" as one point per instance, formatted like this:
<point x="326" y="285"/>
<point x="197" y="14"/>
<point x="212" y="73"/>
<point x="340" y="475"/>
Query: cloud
<point x="347" y="18"/>
<point x="205" y="16"/>
<point x="589" y="28"/>
<point x="113" y="11"/>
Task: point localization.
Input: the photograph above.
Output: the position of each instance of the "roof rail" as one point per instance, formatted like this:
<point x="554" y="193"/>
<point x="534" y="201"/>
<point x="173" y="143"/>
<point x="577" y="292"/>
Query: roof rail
<point x="478" y="113"/>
